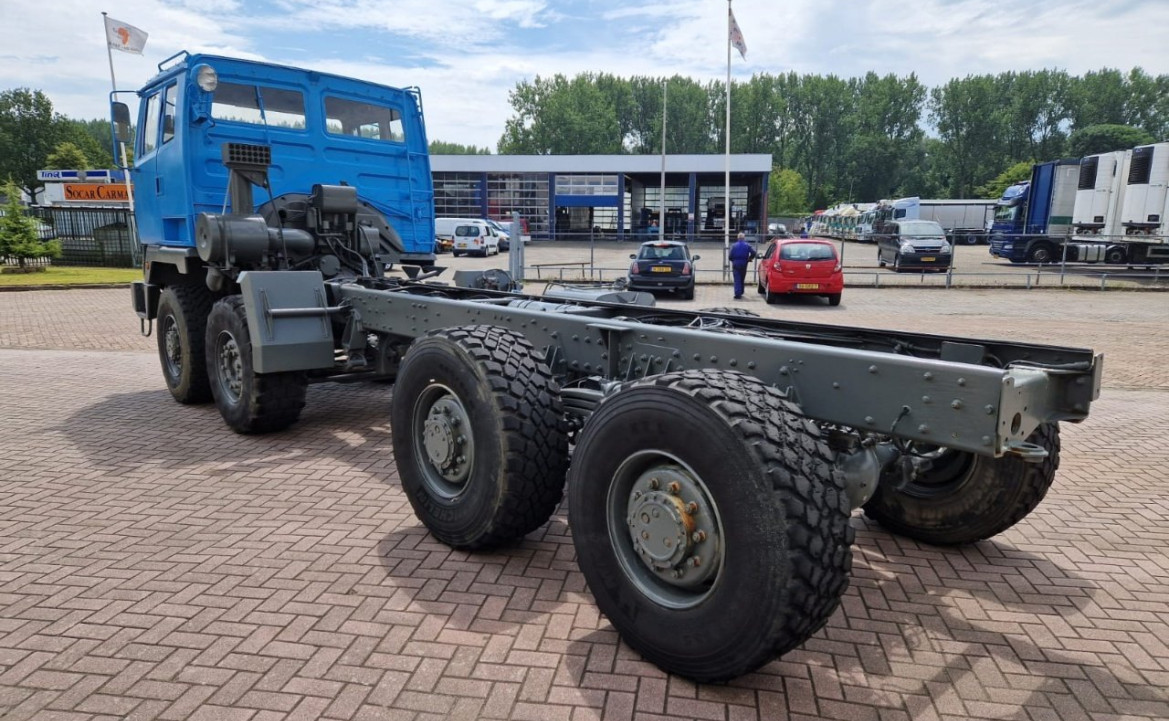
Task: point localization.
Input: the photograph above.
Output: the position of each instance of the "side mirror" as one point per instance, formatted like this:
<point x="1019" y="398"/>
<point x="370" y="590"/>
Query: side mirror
<point x="633" y="256"/>
<point x="695" y="257"/>
<point x="121" y="116"/>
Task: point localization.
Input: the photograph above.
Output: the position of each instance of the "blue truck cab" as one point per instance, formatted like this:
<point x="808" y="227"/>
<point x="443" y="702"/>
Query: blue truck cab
<point x="255" y="183"/>
<point x="1034" y="216"/>
<point x="320" y="129"/>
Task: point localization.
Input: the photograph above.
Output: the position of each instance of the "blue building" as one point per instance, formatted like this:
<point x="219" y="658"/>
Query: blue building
<point x="575" y="196"/>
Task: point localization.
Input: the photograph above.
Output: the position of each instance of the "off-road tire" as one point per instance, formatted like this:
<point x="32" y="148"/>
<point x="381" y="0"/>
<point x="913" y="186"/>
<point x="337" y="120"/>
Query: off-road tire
<point x="519" y="448"/>
<point x="969" y="499"/>
<point x="249" y="402"/>
<point x="783" y="549"/>
<point x="183" y="311"/>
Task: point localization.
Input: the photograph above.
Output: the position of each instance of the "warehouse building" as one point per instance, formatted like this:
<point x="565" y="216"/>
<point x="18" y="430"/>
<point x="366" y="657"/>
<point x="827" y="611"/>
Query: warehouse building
<point x="613" y="196"/>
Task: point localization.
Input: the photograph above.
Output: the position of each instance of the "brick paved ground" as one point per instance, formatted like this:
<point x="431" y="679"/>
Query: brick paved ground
<point x="155" y="565"/>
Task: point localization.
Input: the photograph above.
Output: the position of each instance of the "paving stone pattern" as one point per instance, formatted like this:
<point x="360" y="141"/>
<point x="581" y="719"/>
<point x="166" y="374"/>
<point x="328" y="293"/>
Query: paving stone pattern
<point x="154" y="565"/>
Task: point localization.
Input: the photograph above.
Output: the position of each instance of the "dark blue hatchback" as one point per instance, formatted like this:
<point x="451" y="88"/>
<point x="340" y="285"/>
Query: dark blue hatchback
<point x="663" y="265"/>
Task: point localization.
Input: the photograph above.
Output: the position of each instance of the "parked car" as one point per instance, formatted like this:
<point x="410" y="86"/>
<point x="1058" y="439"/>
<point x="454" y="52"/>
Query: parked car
<point x="791" y="266"/>
<point x="502" y="232"/>
<point x="913" y="244"/>
<point x="663" y="265"/>
<point x="475" y="237"/>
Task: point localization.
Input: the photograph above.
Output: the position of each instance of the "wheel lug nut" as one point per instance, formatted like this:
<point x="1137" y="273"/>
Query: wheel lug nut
<point x="698" y="536"/>
<point x="696" y="561"/>
<point x="645" y="517"/>
<point x="674" y="488"/>
<point x="645" y="535"/>
<point x="653" y="483"/>
<point x="636" y="494"/>
<point x="692" y="507"/>
<point x="679" y="572"/>
<point x="461" y="459"/>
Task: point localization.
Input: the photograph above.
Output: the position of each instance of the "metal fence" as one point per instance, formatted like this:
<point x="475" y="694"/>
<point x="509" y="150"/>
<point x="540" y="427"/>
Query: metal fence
<point x="89" y="236"/>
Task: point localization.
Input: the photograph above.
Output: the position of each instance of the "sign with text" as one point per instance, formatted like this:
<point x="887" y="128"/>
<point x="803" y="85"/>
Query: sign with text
<point x="95" y="193"/>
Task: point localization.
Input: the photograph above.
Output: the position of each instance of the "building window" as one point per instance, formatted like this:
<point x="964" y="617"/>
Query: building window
<point x="586" y="184"/>
<point x="458" y="195"/>
<point x="525" y="193"/>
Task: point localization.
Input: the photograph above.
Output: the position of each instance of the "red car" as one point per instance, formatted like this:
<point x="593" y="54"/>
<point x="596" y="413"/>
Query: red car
<point x="800" y="265"/>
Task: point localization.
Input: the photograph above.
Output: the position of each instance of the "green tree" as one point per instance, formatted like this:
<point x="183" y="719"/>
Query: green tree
<point x="28" y="133"/>
<point x="438" y="147"/>
<point x="93" y="137"/>
<point x="788" y="194"/>
<point x="1104" y="138"/>
<point x="18" y="232"/>
<point x="558" y="116"/>
<point x="971" y="131"/>
<point x="68" y="156"/>
<point x="994" y="188"/>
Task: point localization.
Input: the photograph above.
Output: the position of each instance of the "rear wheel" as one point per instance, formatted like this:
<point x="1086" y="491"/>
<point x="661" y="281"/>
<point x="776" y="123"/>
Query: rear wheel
<point x="477" y="435"/>
<point x="249" y="402"/>
<point x="962" y="497"/>
<point x="768" y="297"/>
<point x="182" y="323"/>
<point x="834" y="299"/>
<point x="708" y="522"/>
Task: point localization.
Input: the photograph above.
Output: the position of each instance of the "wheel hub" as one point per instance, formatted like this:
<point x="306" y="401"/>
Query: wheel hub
<point x="231" y="368"/>
<point x="444" y="438"/>
<point x="673" y="526"/>
<point x="173" y="346"/>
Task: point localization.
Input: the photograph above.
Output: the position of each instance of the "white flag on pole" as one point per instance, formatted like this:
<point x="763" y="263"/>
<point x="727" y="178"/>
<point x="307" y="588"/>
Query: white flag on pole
<point x="737" y="36"/>
<point x="125" y="37"/>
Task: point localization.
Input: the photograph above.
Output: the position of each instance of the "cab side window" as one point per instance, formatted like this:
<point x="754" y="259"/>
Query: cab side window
<point x="770" y="251"/>
<point x="149" y="136"/>
<point x="168" y="113"/>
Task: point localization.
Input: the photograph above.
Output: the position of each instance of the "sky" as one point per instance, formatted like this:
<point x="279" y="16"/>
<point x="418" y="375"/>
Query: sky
<point x="466" y="55"/>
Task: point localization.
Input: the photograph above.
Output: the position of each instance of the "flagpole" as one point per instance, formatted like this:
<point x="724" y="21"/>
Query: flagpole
<point x="727" y="132"/>
<point x="662" y="200"/>
<point x="123" y="161"/>
<point x="109" y="53"/>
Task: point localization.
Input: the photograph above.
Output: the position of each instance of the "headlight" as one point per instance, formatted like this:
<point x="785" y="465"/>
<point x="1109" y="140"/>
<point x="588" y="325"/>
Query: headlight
<point x="946" y="248"/>
<point x="907" y="248"/>
<point x="206" y="78"/>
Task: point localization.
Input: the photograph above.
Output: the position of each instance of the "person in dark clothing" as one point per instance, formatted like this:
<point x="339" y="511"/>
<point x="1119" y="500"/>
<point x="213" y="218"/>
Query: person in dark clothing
<point x="740" y="254"/>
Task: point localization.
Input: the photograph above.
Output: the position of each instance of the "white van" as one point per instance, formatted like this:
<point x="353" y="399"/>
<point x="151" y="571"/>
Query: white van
<point x="475" y="236"/>
<point x="444" y="229"/>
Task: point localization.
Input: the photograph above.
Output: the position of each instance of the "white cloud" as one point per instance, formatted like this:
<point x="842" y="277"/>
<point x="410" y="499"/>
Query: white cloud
<point x="467" y="54"/>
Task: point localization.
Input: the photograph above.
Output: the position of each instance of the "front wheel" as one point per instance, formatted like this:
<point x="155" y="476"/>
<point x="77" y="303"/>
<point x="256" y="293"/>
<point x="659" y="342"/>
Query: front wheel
<point x="1041" y="253"/>
<point x="478" y="438"/>
<point x="708" y="521"/>
<point x="182" y="323"/>
<point x="961" y="497"/>
<point x="249" y="402"/>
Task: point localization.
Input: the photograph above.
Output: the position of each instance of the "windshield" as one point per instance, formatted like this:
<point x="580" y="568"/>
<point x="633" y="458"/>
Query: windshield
<point x="1006" y="213"/>
<point x="921" y="228"/>
<point x="807" y="251"/>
